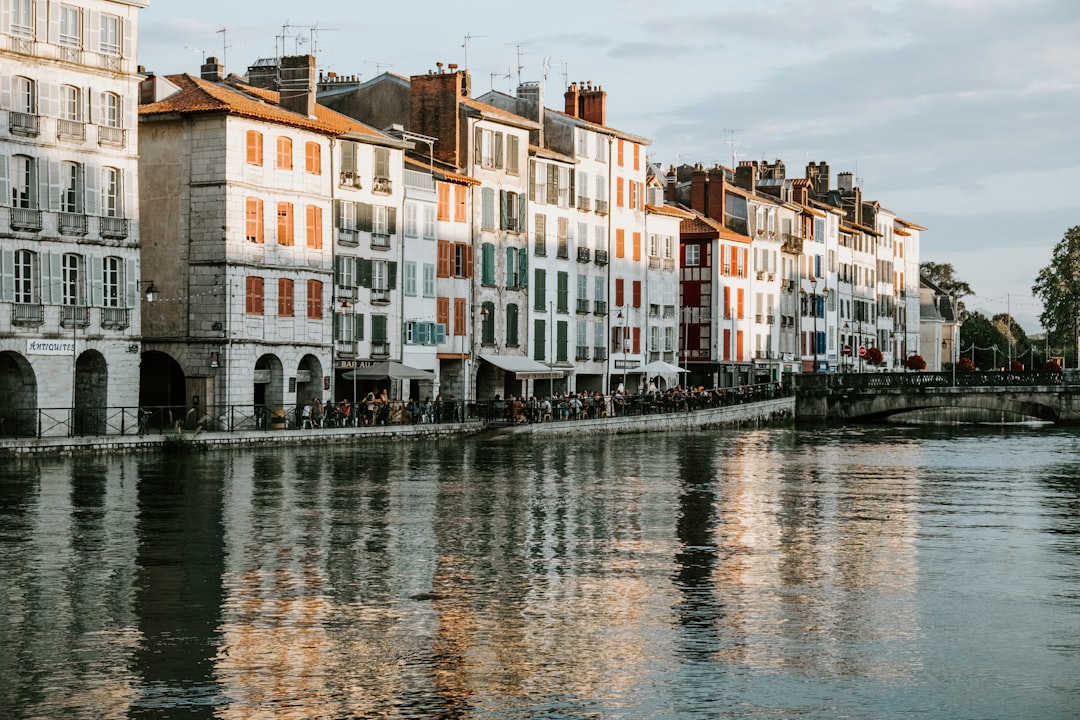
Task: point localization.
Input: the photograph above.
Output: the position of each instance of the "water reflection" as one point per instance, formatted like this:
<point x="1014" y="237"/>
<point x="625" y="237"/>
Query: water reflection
<point x="753" y="574"/>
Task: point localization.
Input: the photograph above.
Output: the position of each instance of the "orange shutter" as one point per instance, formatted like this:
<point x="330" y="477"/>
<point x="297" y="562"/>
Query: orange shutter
<point x="313" y="158"/>
<point x="460" y="192"/>
<point x="254" y="147"/>
<point x="285" y="224"/>
<point x="314" y="299"/>
<point x="253" y="295"/>
<point x="620" y="243"/>
<point x="444" y="260"/>
<point x="444" y="202"/>
<point x="468" y="261"/>
<point x="620" y="152"/>
<point x="637" y="293"/>
<point x="619" y="191"/>
<point x="314" y="227"/>
<point x="285" y="297"/>
<point x="284" y="153"/>
<point x="742" y="301"/>
<point x="637" y="340"/>
<point x="637" y="246"/>
<point x="637" y="157"/>
<point x="253" y="220"/>
<point x="459" y="316"/>
<point x="442" y="311"/>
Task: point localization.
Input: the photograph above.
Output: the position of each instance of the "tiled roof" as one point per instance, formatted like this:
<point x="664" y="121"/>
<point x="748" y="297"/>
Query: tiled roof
<point x="203" y="96"/>
<point x="669" y="210"/>
<point x="499" y="113"/>
<point x="440" y="173"/>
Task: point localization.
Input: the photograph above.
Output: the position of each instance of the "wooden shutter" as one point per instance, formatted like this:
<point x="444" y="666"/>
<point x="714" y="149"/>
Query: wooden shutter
<point x="391" y="275"/>
<point x="7" y="275"/>
<point x="363" y="217"/>
<point x="637" y="293"/>
<point x="539" y="291"/>
<point x="444" y="262"/>
<point x="523" y="269"/>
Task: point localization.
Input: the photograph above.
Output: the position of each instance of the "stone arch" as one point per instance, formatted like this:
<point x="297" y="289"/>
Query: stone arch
<point x="18" y="396"/>
<point x="91" y="394"/>
<point x="162" y="381"/>
<point x="268" y="389"/>
<point x="309" y="379"/>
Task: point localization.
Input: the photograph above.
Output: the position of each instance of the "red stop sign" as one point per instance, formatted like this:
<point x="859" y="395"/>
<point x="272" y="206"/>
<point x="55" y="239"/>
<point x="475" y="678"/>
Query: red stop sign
<point x="862" y="351"/>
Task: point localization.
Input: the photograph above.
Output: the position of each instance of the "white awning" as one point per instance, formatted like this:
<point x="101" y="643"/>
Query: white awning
<point x="523" y="367"/>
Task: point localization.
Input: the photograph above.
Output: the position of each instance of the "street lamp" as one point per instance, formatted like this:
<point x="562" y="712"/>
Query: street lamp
<point x="622" y="342"/>
<point x="813" y="309"/>
<point x="151" y="290"/>
<point x="952" y="357"/>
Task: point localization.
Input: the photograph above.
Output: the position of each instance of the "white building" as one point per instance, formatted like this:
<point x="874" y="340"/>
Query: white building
<point x="69" y="235"/>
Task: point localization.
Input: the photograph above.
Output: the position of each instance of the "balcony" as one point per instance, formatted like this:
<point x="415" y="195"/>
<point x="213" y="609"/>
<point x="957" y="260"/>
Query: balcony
<point x="72" y="223"/>
<point x="111" y="136"/>
<point x="350" y="178"/>
<point x="25" y="220"/>
<point x="113" y="227"/>
<point x="380" y="297"/>
<point x="584" y="203"/>
<point x="21" y="123"/>
<point x="584" y="255"/>
<point x="115" y="317"/>
<point x="70" y="130"/>
<point x="669" y="263"/>
<point x="380" y="241"/>
<point x="347" y="236"/>
<point x="601" y="257"/>
<point x="382" y="185"/>
<point x="600" y="307"/>
<point x="380" y="350"/>
<point x="599" y="353"/>
<point x="74" y="316"/>
<point x="27" y="314"/>
<point x="419" y="180"/>
<point x="582" y="352"/>
<point x="24" y="44"/>
<point x="582" y="306"/>
<point x="344" y="348"/>
<point x="601" y="207"/>
<point x="654" y="262"/>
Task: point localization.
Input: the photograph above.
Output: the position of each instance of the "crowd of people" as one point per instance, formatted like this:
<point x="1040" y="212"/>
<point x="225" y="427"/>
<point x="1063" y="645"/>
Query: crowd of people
<point x="376" y="409"/>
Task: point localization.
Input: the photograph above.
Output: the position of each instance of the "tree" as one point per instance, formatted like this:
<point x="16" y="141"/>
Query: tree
<point x="989" y="346"/>
<point x="1058" y="286"/>
<point x="1013" y="334"/>
<point x="944" y="276"/>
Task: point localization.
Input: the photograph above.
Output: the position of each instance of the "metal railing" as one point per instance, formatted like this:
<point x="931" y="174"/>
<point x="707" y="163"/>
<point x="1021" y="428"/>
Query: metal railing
<point x="923" y="379"/>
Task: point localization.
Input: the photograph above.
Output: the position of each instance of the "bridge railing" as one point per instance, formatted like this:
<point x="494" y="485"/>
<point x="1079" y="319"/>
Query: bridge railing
<point x="997" y="378"/>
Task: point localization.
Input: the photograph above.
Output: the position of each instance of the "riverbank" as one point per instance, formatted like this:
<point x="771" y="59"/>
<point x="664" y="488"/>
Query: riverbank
<point x="754" y="413"/>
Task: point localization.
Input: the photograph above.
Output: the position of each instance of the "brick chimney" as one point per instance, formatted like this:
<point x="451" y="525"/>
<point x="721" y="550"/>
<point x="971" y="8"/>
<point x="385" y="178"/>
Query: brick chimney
<point x="845" y="182"/>
<point x="298" y="84"/>
<point x="818" y="175"/>
<point x="671" y="187"/>
<point x="212" y="70"/>
<point x="572" y="100"/>
<point x="714" y="199"/>
<point x="594" y="105"/>
<point x="699" y="180"/>
<point x="434" y="110"/>
<point x="746" y="175"/>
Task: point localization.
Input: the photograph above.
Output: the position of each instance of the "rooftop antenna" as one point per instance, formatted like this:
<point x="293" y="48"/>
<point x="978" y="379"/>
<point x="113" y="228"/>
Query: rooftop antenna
<point x="378" y="65"/>
<point x="198" y="50"/>
<point x="546" y="66"/>
<point x="506" y="75"/>
<point x="468" y="37"/>
<point x="520" y="67"/>
<point x="565" y="75"/>
<point x="224" y="47"/>
<point x="732" y="143"/>
<point x="858" y="180"/>
<point x="313" y="36"/>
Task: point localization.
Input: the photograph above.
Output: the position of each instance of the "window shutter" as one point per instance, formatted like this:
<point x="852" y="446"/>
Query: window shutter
<point x="378" y="328"/>
<point x="348" y="157"/>
<point x="552" y="184"/>
<point x="97" y="280"/>
<point x="391" y="220"/>
<point x="363" y="217"/>
<point x="363" y="272"/>
<point x="573" y="197"/>
<point x="511" y="324"/>
<point x="444" y="263"/>
<point x="498" y="150"/>
<point x="5" y="84"/>
<point x="50" y="279"/>
<point x="487" y="269"/>
<point x="440" y="333"/>
<point x="468" y="261"/>
<point x="92" y="31"/>
<point x="487" y="209"/>
<point x="337" y="324"/>
<point x="532" y="183"/>
<point x="478" y="158"/>
<point x="93" y="196"/>
<point x="538" y="292"/>
<point x="538" y="340"/>
<point x="560" y="339"/>
<point x="5" y="183"/>
<point x="512" y="154"/>
<point x="7" y="275"/>
<point x="358" y="326"/>
<point x="511" y="266"/>
<point x="50" y="197"/>
<point x="523" y="269"/>
<point x="521" y="219"/>
<point x="504" y="209"/>
<point x="391" y="276"/>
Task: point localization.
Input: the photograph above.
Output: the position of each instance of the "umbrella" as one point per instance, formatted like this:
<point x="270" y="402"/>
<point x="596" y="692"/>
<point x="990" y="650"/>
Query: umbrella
<point x="388" y="369"/>
<point x="659" y="367"/>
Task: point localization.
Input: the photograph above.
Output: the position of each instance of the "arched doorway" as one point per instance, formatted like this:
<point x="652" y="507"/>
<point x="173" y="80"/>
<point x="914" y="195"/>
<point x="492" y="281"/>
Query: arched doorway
<point x="91" y="393"/>
<point x="309" y="380"/>
<point x="161" y="382"/>
<point x="18" y="396"/>
<point x="268" y="391"/>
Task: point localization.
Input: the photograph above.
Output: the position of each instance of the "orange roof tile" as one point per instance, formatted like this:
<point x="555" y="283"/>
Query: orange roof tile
<point x="670" y="210"/>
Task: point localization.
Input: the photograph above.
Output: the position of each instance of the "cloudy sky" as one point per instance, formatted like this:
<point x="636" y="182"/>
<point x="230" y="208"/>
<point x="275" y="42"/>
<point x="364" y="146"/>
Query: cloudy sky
<point x="960" y="115"/>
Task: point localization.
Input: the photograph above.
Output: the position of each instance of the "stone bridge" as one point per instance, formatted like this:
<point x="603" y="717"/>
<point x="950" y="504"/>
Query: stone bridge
<point x="875" y="397"/>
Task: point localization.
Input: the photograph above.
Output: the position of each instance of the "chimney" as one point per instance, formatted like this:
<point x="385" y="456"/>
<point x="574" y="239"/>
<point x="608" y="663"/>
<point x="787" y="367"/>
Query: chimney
<point x="434" y="110"/>
<point x="818" y="175"/>
<point x="573" y="100"/>
<point x="212" y="70"/>
<point x="298" y="84"/>
<point x="530" y="103"/>
<point x="845" y="182"/>
<point x="746" y="175"/>
<point x="698" y="182"/>
<point x="714" y="197"/>
<point x="800" y="192"/>
<point x="594" y="105"/>
<point x="671" y="188"/>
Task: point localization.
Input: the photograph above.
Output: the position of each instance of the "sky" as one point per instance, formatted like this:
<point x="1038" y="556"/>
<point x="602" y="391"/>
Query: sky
<point x="960" y="115"/>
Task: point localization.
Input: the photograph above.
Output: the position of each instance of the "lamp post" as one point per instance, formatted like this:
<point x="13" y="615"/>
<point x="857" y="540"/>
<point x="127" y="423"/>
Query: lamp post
<point x="813" y="309"/>
<point x="551" y="347"/>
<point x="624" y="317"/>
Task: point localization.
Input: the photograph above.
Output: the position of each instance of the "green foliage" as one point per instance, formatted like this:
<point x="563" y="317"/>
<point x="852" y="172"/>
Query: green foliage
<point x="1058" y="287"/>
<point x="991" y="347"/>
<point x="944" y="276"/>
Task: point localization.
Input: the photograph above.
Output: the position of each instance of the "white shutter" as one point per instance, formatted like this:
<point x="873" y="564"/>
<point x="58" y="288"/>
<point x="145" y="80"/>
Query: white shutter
<point x="131" y="283"/>
<point x="93" y="196"/>
<point x="50" y="279"/>
<point x="128" y="48"/>
<point x="92" y="31"/>
<point x="5" y="183"/>
<point x="5" y="19"/>
<point x="97" y="280"/>
<point x="128" y="110"/>
<point x="48" y="24"/>
<point x="48" y="99"/>
<point x="54" y="185"/>
<point x="127" y="195"/>
<point x="7" y="275"/>
<point x="6" y="101"/>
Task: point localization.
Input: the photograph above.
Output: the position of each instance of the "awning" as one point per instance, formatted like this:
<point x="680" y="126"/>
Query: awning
<point x="659" y="367"/>
<point x="388" y="369"/>
<point x="523" y="367"/>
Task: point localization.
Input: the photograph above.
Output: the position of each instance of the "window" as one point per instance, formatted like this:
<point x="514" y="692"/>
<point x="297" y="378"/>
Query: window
<point x="459" y="316"/>
<point x="284" y="153"/>
<point x="285" y="297"/>
<point x="512" y="325"/>
<point x="254" y="147"/>
<point x="487" y="323"/>
<point x="619" y="185"/>
<point x="512" y="162"/>
<point x="71" y="103"/>
<point x="71" y="189"/>
<point x="636" y="287"/>
<point x="112" y="114"/>
<point x="312" y="158"/>
<point x="463" y="260"/>
<point x="70" y="26"/>
<point x="669" y="247"/>
<point x="253" y="231"/>
<point x="313" y="221"/>
<point x="540" y="234"/>
<point x="512" y="267"/>
<point x="619" y="299"/>
<point x="540" y="290"/>
<point x="601" y="149"/>
<point x="314" y="300"/>
<point x="25" y="95"/>
<point x="444" y="201"/>
<point x="253" y="295"/>
<point x="71" y="280"/>
<point x="583" y="143"/>
<point x="512" y="207"/>
<point x="620" y="148"/>
<point x="25" y="273"/>
<point x="654" y="245"/>
<point x="488" y="151"/>
<point x="429" y="280"/>
<point x="429" y="222"/>
<point x="410" y="278"/>
<point x="487" y="264"/>
<point x="285" y="224"/>
<point x="693" y="255"/>
<point x="112" y="282"/>
<point x="350" y="174"/>
<point x="562" y="286"/>
<point x="23" y="182"/>
<point x="487" y="208"/>
<point x="111" y="193"/>
<point x="460" y="208"/>
<point x="381" y="164"/>
<point x="412" y="227"/>
<point x="22" y="18"/>
<point x="110" y="41"/>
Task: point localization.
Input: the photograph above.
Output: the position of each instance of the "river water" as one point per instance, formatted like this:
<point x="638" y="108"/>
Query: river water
<point x="778" y="573"/>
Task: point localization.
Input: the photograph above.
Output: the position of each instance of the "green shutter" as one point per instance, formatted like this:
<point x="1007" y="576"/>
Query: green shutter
<point x="488" y="271"/>
<point x="363" y="272"/>
<point x="539" y="300"/>
<point x="391" y="220"/>
<point x="563" y="291"/>
<point x="358" y="327"/>
<point x="504" y="209"/>
<point x="522" y="221"/>
<point x="364" y="217"/>
<point x="538" y="340"/>
<point x="560" y="333"/>
<point x="378" y="328"/>
<point x="391" y="276"/>
<point x="487" y="208"/>
<point x="512" y="324"/>
<point x="523" y="268"/>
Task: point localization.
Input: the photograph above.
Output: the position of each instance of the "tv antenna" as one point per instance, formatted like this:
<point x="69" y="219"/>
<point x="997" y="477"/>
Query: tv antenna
<point x="520" y="67"/>
<point x="224" y="46"/>
<point x="198" y="50"/>
<point x="732" y="143"/>
<point x="378" y="65"/>
<point x="468" y="37"/>
<point x="506" y="75"/>
<point x="313" y="36"/>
